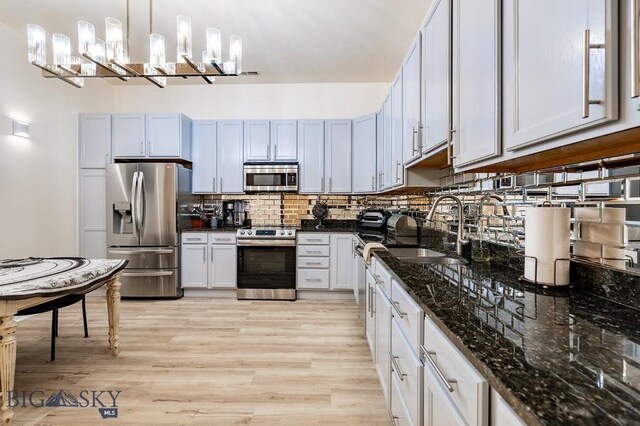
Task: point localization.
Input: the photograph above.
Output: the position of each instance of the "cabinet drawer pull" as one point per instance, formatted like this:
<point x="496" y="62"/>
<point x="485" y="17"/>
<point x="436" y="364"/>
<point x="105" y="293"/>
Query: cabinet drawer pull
<point x="313" y="280"/>
<point x="314" y="251"/>
<point x="314" y="239"/>
<point x="313" y="263"/>
<point x="445" y="382"/>
<point x="377" y="279"/>
<point x="193" y="238"/>
<point x="222" y="239"/>
<point x="396" y="306"/>
<point x="396" y="367"/>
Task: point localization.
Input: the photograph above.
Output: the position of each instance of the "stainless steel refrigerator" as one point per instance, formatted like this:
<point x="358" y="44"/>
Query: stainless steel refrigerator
<point x="143" y="225"/>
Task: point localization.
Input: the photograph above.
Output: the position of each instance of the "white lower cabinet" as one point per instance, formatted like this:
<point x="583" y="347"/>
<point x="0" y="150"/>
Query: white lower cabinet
<point x="194" y="266"/>
<point x="450" y="377"/>
<point x="208" y="261"/>
<point x="341" y="261"/>
<point x="399" y="411"/>
<point x="406" y="368"/>
<point x="437" y="406"/>
<point x="223" y="271"/>
<point x="370" y="320"/>
<point x="383" y="340"/>
<point x="501" y="413"/>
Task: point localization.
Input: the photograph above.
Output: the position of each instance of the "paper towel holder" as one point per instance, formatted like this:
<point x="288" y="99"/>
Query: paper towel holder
<point x="535" y="270"/>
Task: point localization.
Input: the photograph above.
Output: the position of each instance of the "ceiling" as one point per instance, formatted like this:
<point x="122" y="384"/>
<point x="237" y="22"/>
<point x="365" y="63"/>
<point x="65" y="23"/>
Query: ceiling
<point x="287" y="41"/>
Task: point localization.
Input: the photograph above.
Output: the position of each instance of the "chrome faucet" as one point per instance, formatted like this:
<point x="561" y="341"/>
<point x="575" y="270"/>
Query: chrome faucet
<point x="461" y="241"/>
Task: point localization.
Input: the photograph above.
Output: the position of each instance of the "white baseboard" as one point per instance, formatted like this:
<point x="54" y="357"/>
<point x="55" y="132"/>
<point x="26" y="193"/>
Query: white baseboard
<point x="222" y="293"/>
<point x="325" y="295"/>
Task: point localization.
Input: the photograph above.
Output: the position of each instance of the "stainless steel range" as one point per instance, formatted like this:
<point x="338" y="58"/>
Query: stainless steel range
<point x="267" y="263"/>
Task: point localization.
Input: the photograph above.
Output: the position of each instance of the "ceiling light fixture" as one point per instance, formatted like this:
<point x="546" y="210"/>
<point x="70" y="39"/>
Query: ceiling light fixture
<point x="110" y="58"/>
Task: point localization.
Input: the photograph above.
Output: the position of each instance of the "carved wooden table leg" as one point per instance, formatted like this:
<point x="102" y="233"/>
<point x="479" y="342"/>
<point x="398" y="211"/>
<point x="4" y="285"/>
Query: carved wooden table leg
<point x="7" y="364"/>
<point x="113" y="310"/>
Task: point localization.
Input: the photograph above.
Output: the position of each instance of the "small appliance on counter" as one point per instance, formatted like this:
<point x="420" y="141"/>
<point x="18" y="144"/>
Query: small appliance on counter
<point x="234" y="213"/>
<point x="320" y="211"/>
<point x="400" y="225"/>
<point x="373" y="218"/>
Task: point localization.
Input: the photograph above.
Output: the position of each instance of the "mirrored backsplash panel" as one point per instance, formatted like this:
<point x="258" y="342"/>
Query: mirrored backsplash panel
<point x="604" y="197"/>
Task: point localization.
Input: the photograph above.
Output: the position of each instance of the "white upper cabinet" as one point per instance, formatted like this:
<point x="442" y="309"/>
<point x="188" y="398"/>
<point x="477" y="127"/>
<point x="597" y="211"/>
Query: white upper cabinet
<point x="311" y="149"/>
<point x="164" y="134"/>
<point x="436" y="79"/>
<point x="364" y="160"/>
<point x="129" y="136"/>
<point x="379" y="149"/>
<point x="411" y="102"/>
<point x="151" y="136"/>
<point x="397" y="126"/>
<point x="476" y="80"/>
<point x="205" y="155"/>
<point x="94" y="140"/>
<point x="230" y="157"/>
<point x="257" y="140"/>
<point x="338" y="156"/>
<point x="560" y="77"/>
<point x="284" y="139"/>
<point x="389" y="169"/>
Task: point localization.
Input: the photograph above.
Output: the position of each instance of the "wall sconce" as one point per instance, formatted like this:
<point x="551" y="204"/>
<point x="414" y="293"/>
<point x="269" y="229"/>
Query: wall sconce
<point x="21" y="129"/>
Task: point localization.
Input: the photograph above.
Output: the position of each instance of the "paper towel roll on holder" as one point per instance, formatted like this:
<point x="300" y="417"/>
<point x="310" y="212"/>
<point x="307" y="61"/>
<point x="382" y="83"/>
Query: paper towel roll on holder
<point x="535" y="269"/>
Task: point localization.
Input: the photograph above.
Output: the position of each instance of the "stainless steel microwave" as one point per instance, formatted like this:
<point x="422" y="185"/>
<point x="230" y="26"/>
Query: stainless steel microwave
<point x="271" y="177"/>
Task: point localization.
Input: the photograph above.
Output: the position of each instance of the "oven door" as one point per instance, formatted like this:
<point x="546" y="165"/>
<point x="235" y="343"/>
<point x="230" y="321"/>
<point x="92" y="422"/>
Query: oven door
<point x="270" y="178"/>
<point x="266" y="269"/>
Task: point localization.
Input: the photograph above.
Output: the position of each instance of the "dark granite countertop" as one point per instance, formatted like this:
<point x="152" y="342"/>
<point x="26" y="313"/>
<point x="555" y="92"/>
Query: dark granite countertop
<point x="223" y="229"/>
<point x="557" y="356"/>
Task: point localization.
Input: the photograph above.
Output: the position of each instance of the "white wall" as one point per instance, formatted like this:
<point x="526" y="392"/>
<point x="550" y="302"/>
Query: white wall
<point x="38" y="177"/>
<point x="248" y="101"/>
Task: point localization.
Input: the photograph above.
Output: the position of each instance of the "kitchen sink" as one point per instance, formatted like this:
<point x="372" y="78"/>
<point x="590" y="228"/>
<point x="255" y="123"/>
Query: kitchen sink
<point x="433" y="260"/>
<point x="419" y="253"/>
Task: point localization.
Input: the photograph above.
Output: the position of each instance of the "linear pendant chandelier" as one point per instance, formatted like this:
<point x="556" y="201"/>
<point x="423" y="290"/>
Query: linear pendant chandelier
<point x="109" y="58"/>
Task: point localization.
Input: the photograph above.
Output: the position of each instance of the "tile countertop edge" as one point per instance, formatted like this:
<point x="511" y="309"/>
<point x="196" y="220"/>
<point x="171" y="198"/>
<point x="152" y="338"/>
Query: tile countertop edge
<point x="514" y="402"/>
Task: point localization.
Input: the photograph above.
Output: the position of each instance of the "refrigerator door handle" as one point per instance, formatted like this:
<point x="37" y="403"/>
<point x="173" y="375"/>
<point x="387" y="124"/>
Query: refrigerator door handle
<point x="141" y="203"/>
<point x="134" y="204"/>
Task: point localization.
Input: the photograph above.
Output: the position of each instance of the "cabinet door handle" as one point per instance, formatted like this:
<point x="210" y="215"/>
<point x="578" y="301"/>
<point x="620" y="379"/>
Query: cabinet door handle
<point x="413" y="140"/>
<point x="214" y="184"/>
<point x="396" y="307"/>
<point x="445" y="382"/>
<point x="204" y="254"/>
<point x="420" y="130"/>
<point x="275" y="151"/>
<point x="141" y="147"/>
<point x="586" y="71"/>
<point x="321" y="184"/>
<point x="220" y="184"/>
<point x="212" y="255"/>
<point x="450" y="147"/>
<point x="398" y="171"/>
<point x="373" y="183"/>
<point x="330" y="184"/>
<point x="396" y="367"/>
<point x="149" y="147"/>
<point x="635" y="46"/>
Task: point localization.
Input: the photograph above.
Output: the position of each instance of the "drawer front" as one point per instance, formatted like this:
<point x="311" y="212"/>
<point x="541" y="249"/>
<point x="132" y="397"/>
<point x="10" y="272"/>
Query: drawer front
<point x="313" y="239"/>
<point x="401" y="416"/>
<point x="194" y="238"/>
<point x="313" y="279"/>
<point x="408" y="315"/>
<point x="469" y="390"/>
<point x="321" y="251"/>
<point x="382" y="276"/>
<point x="407" y="368"/>
<point x="313" y="262"/>
<point x="222" y="238"/>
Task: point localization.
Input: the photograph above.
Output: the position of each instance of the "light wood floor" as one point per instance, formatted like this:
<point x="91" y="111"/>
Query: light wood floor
<point x="207" y="361"/>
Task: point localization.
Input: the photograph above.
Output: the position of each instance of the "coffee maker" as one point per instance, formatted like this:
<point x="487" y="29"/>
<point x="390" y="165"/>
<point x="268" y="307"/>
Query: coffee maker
<point x="234" y="213"/>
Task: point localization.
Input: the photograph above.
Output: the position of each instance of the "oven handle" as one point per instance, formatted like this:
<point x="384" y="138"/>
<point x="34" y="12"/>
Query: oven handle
<point x="265" y="243"/>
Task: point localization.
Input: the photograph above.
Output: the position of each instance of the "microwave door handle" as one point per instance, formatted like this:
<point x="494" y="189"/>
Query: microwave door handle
<point x="134" y="205"/>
